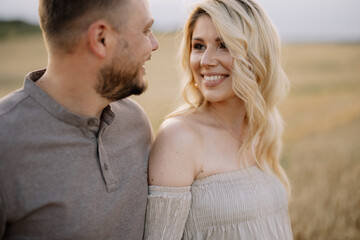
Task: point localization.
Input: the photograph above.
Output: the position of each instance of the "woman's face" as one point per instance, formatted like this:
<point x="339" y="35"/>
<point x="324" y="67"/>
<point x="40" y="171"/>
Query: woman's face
<point x="210" y="62"/>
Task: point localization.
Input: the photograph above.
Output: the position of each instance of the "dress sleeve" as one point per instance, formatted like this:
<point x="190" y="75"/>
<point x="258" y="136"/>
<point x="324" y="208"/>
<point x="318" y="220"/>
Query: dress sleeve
<point x="167" y="212"/>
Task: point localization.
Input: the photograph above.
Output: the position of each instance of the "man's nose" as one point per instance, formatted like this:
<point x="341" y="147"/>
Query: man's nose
<point x="154" y="42"/>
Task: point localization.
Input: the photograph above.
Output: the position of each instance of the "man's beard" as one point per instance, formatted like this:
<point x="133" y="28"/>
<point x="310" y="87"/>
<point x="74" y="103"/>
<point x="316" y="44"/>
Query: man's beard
<point x="120" y="79"/>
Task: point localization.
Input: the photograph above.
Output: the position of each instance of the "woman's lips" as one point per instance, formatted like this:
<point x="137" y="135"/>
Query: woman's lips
<point x="213" y="80"/>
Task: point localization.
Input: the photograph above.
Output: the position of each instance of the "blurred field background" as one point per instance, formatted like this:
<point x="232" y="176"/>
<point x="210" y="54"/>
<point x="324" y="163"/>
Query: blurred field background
<point x="322" y="114"/>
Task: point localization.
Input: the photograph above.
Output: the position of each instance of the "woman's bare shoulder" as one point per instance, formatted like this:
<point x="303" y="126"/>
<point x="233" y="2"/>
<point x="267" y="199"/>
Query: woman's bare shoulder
<point x="179" y="127"/>
<point x="173" y="156"/>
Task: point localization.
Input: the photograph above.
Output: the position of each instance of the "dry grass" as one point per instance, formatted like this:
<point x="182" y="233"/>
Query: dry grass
<point x="322" y="153"/>
<point x="18" y="57"/>
<point x="322" y="139"/>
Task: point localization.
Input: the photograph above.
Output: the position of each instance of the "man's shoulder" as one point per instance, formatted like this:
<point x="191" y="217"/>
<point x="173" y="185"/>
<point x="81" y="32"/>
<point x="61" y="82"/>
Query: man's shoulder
<point x="129" y="114"/>
<point x="131" y="120"/>
<point x="11" y="101"/>
<point x="129" y="107"/>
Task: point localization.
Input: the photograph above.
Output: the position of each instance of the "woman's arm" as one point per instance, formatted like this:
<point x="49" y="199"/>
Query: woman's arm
<point x="172" y="169"/>
<point x="173" y="159"/>
<point x="167" y="212"/>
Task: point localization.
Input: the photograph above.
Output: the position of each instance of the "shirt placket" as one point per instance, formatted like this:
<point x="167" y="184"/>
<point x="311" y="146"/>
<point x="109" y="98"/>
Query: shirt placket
<point x="105" y="166"/>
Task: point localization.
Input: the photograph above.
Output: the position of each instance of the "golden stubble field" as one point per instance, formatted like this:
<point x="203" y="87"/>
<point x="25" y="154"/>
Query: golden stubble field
<point x="322" y="114"/>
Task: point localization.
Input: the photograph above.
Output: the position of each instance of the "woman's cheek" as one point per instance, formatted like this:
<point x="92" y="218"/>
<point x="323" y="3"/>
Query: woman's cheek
<point x="195" y="61"/>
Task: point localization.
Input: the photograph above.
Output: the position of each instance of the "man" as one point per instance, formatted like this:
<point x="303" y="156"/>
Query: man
<point x="73" y="148"/>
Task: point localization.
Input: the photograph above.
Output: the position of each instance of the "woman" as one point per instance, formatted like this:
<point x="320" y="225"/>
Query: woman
<point x="214" y="170"/>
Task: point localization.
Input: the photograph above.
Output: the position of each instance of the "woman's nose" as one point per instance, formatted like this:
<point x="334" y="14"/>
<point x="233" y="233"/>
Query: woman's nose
<point x="209" y="58"/>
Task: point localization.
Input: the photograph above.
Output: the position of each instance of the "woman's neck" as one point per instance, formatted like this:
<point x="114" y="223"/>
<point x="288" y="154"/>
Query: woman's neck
<point x="230" y="115"/>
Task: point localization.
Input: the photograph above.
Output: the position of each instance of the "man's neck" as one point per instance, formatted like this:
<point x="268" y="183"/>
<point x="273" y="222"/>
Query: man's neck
<point x="73" y="87"/>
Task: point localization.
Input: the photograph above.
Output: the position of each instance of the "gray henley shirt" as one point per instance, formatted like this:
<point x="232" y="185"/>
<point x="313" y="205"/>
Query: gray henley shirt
<point x="63" y="176"/>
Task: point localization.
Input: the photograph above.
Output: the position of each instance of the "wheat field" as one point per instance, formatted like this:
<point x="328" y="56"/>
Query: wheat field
<point x="322" y="115"/>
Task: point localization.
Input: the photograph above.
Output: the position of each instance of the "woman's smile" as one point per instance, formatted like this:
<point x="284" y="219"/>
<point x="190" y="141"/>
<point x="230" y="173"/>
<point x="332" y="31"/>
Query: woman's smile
<point x="213" y="80"/>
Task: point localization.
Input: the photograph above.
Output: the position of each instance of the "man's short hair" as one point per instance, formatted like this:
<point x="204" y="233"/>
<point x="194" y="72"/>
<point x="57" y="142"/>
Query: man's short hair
<point x="63" y="21"/>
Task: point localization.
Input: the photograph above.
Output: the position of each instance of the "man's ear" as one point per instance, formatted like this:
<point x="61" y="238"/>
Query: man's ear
<point x="99" y="37"/>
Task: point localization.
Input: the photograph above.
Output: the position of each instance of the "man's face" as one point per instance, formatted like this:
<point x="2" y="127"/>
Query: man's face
<point x="124" y="75"/>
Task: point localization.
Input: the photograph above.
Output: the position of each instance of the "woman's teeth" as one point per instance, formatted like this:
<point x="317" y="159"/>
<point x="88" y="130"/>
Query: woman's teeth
<point x="214" y="78"/>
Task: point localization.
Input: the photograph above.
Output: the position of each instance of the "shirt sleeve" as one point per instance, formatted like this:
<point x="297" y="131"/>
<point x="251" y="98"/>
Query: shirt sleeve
<point x="167" y="212"/>
<point x="2" y="216"/>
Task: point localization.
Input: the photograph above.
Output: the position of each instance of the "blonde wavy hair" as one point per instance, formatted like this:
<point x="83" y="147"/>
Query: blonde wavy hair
<point x="258" y="78"/>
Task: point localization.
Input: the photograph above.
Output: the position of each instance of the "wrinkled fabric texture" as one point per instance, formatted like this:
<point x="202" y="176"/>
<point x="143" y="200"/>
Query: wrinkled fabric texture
<point x="246" y="204"/>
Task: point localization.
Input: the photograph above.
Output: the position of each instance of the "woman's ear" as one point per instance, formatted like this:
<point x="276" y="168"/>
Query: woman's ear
<point x="98" y="36"/>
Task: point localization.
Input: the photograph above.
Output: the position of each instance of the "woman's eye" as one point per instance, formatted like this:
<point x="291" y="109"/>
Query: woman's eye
<point x="222" y="46"/>
<point x="198" y="46"/>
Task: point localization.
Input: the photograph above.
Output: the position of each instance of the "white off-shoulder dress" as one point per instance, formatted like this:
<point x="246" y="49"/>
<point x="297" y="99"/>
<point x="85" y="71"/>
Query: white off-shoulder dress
<point x="248" y="204"/>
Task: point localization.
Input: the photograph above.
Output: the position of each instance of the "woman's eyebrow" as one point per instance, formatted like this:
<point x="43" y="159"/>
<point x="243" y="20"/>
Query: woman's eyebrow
<point x="201" y="40"/>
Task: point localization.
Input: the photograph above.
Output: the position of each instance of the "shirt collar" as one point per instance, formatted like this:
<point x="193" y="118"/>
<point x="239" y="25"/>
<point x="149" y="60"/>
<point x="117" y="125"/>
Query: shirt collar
<point x="58" y="111"/>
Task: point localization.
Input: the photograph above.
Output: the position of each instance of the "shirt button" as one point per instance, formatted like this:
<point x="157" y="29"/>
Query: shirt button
<point x="106" y="166"/>
<point x="91" y="122"/>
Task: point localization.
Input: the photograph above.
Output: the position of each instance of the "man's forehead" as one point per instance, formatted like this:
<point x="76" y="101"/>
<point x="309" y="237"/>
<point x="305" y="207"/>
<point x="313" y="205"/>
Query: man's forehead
<point x="140" y="12"/>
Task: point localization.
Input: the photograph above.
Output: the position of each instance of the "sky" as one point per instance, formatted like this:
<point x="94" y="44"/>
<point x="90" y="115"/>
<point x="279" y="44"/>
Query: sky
<point x="296" y="20"/>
